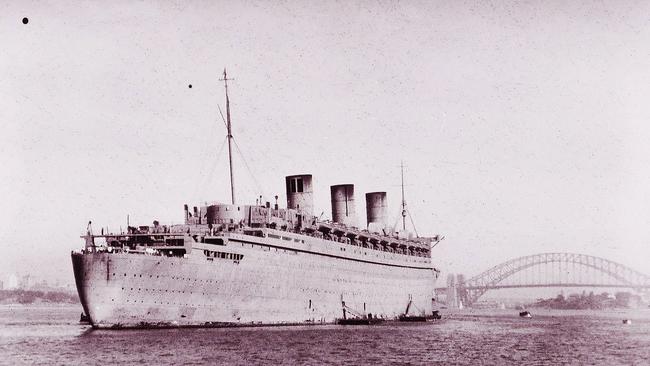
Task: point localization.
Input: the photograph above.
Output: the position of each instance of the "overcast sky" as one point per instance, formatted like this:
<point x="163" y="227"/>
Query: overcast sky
<point x="524" y="126"/>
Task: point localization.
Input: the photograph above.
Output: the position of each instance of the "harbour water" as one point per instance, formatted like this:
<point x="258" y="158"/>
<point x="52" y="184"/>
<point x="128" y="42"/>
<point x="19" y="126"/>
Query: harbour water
<point x="51" y="335"/>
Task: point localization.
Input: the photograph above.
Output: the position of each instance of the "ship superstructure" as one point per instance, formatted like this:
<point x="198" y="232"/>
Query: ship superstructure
<point x="232" y="264"/>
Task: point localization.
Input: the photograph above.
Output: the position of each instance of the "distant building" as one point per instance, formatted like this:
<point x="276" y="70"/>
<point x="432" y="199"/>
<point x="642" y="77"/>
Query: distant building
<point x="41" y="286"/>
<point x="12" y="282"/>
<point x="25" y="282"/>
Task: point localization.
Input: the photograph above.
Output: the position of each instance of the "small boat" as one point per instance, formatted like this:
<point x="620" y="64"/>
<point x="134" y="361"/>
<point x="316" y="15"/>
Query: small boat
<point x="84" y="319"/>
<point x="627" y="321"/>
<point x="412" y="318"/>
<point x="357" y="318"/>
<point x="359" y="321"/>
<point x="525" y="314"/>
<point x="435" y="314"/>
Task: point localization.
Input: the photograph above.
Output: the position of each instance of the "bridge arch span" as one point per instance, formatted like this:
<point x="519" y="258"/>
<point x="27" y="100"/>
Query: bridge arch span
<point x="481" y="283"/>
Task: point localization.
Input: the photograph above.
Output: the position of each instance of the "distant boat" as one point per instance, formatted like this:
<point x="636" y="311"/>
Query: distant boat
<point x="627" y="321"/>
<point x="525" y="314"/>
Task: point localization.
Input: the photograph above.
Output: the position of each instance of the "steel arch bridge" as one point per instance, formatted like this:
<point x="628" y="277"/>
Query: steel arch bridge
<point x="579" y="270"/>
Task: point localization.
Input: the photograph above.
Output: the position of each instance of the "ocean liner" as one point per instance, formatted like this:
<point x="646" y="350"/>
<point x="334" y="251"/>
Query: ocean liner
<point x="247" y="264"/>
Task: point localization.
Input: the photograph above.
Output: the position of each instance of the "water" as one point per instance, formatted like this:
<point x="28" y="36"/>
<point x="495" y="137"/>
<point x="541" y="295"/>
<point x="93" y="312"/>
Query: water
<point x="53" y="336"/>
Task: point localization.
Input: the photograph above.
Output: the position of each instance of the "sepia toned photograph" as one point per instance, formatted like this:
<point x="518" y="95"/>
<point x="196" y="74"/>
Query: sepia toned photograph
<point x="325" y="182"/>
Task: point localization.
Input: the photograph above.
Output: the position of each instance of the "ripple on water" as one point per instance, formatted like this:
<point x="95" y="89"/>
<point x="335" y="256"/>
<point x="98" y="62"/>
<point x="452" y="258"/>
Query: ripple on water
<point x="51" y="336"/>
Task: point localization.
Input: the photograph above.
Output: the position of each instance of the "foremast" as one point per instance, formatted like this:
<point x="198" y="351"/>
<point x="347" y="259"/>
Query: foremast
<point x="403" y="200"/>
<point x="229" y="136"/>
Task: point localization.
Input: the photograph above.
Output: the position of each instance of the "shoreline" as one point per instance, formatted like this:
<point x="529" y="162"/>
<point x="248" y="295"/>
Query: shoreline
<point x="642" y="313"/>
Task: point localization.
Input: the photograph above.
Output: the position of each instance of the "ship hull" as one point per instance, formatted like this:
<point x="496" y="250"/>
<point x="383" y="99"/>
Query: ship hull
<point x="265" y="285"/>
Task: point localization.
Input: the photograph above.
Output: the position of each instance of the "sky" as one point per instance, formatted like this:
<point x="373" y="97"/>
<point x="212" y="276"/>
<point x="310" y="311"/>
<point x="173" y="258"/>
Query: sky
<point x="524" y="126"/>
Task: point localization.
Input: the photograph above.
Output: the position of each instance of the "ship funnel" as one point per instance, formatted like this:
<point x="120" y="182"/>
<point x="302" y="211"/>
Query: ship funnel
<point x="376" y="210"/>
<point x="300" y="195"/>
<point x="343" y="204"/>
